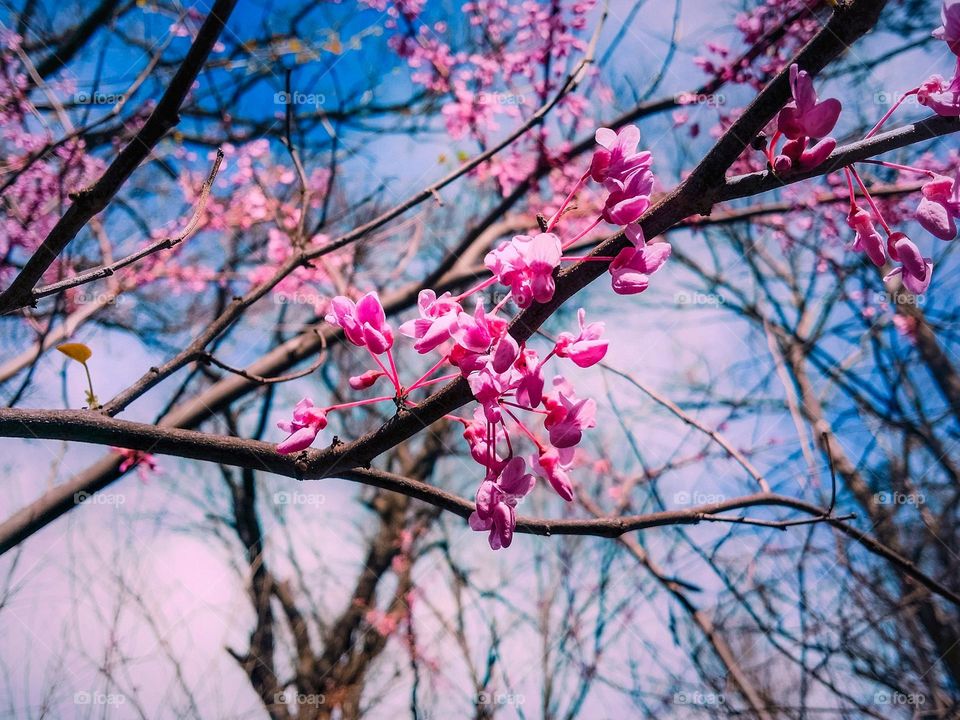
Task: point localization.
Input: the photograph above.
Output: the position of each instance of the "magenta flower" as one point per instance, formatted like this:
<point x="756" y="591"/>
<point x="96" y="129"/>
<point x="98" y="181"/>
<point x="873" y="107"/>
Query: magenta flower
<point x="617" y="158"/>
<point x="525" y="264"/>
<point x="939" y="207"/>
<point x="942" y="98"/>
<point x="437" y="321"/>
<point x="867" y="238"/>
<point x="916" y="284"/>
<point x="529" y="387"/>
<point x="568" y="418"/>
<point x="915" y="270"/>
<point x="482" y="438"/>
<point x="487" y="386"/>
<point x="627" y="202"/>
<point x="949" y="30"/>
<point x="550" y="466"/>
<point x="804" y="116"/>
<point x="307" y="422"/>
<point x="365" y="380"/>
<point x="496" y="501"/>
<point x="632" y="267"/>
<point x="364" y="324"/>
<point x="585" y="349"/>
<point x="795" y="155"/>
<point x="476" y="333"/>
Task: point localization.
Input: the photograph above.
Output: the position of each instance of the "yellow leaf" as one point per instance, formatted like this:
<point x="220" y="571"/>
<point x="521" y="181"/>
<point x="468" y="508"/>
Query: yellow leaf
<point x="76" y="351"/>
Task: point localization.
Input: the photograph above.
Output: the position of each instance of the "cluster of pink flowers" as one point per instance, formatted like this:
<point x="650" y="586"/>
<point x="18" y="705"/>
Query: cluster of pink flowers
<point x="39" y="182"/>
<point x="804" y="120"/>
<point x="508" y="379"/>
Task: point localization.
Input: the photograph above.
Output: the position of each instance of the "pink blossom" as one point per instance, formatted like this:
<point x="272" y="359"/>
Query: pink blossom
<point x="867" y="238"/>
<point x="308" y="420"/>
<point x="939" y="207"/>
<point x="143" y="461"/>
<point x="568" y="417"/>
<point x="617" y="158"/>
<point x="496" y="501"/>
<point x="949" y="30"/>
<point x="942" y="98"/>
<point x="487" y="386"/>
<point x="913" y="283"/>
<point x="482" y="438"/>
<point x="529" y="386"/>
<point x="804" y="116"/>
<point x="625" y="204"/>
<point x="550" y="466"/>
<point x="364" y="323"/>
<point x="526" y="265"/>
<point x="585" y="349"/>
<point x="366" y="380"/>
<point x="438" y="319"/>
<point x="796" y="156"/>
<point x="632" y="267"/>
<point x="915" y="270"/>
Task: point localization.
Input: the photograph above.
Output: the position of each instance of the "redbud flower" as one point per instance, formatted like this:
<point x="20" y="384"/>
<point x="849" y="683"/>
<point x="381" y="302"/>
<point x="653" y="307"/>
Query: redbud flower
<point x="526" y="265"/>
<point x="364" y="324"/>
<point x="804" y="116"/>
<point x="867" y="238"/>
<point x="585" y="349"/>
<point x="632" y="267"/>
<point x="365" y="380"/>
<point x="438" y="319"/>
<point x="496" y="501"/>
<point x="617" y="158"/>
<point x="568" y="418"/>
<point x="949" y="30"/>
<point x="939" y="207"/>
<point x="940" y="97"/>
<point x="529" y="387"/>
<point x="549" y="465"/>
<point x="915" y="270"/>
<point x="625" y="204"/>
<point x="307" y="422"/>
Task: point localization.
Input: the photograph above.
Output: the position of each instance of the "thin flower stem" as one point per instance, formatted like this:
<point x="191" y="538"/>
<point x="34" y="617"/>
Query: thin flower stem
<point x="876" y="128"/>
<point x="870" y="200"/>
<point x="386" y="371"/>
<point x="358" y="403"/>
<point x="428" y="373"/>
<point x="905" y="168"/>
<point x="573" y="241"/>
<point x="435" y="380"/>
<point x="396" y="375"/>
<point x="524" y="428"/>
<point x="475" y="289"/>
<point x="576" y="188"/>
